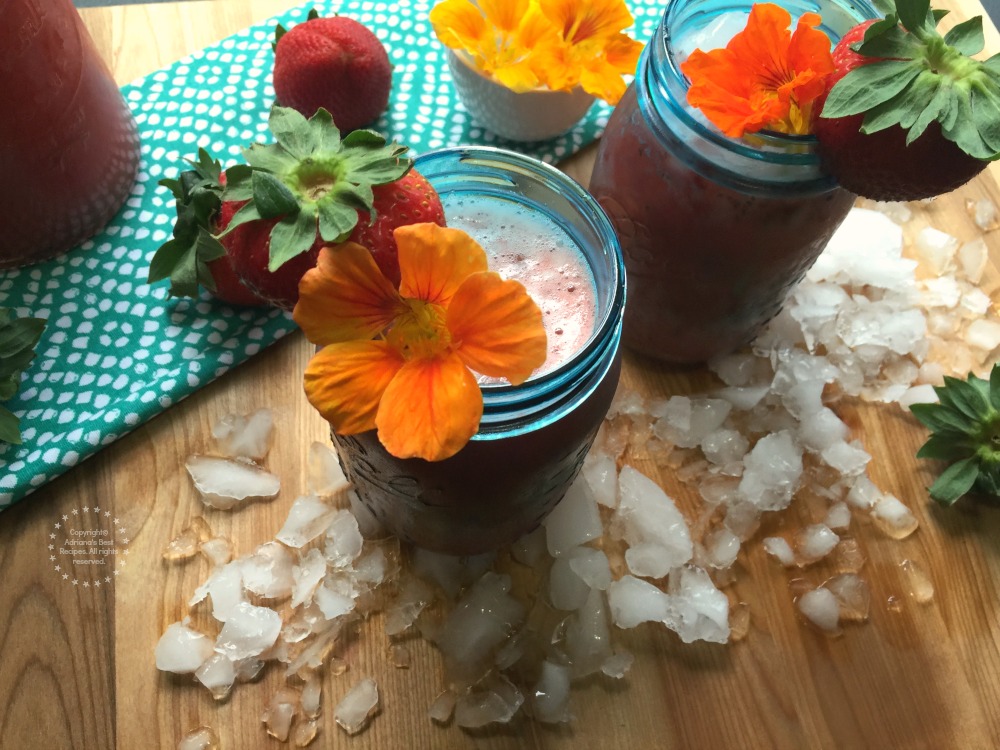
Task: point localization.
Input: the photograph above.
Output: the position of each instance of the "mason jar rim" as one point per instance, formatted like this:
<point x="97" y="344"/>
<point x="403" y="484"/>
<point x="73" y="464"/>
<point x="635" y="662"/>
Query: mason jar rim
<point x="495" y="171"/>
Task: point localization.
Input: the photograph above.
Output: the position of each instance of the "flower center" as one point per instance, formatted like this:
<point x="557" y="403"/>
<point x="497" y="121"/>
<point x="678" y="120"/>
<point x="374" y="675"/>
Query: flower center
<point x="420" y="332"/>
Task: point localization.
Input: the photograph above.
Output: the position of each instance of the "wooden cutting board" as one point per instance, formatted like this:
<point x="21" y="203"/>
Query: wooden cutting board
<point x="77" y="669"/>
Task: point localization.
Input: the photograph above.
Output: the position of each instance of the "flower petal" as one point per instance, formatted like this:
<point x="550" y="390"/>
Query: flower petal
<point x="430" y="410"/>
<point x="505" y="15"/>
<point x="435" y="260"/>
<point x="345" y="382"/>
<point x="580" y="20"/>
<point x="459" y="24"/>
<point x="497" y="328"/>
<point x="345" y="297"/>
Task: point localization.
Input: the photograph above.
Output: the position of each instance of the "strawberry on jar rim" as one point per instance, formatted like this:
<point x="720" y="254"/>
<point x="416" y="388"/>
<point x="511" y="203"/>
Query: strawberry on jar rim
<point x="907" y="113"/>
<point x="337" y="64"/>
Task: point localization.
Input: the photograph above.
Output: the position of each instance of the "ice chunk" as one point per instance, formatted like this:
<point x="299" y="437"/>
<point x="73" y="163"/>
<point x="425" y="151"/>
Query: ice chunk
<point x="601" y="474"/>
<point x="202" y="738"/>
<point x="863" y="494"/>
<point x="306" y="576"/>
<point x="312" y="695"/>
<point x="685" y="421"/>
<point x="814" y="542"/>
<point x="618" y="664"/>
<point x="185" y="544"/>
<point x="413" y="597"/>
<point x="182" y="649"/>
<point x="443" y="707"/>
<point x="780" y="550"/>
<point x="325" y="475"/>
<point x="530" y="548"/>
<point x="574" y="521"/>
<point x="567" y="591"/>
<point x="223" y="483"/>
<point x="724" y="446"/>
<point x="822" y="430"/>
<point x="866" y="250"/>
<point x="852" y="594"/>
<point x="249" y="631"/>
<point x="936" y="250"/>
<point x="550" y="696"/>
<point x="218" y="550"/>
<point x="280" y="712"/>
<point x="307" y="519"/>
<point x="225" y="587"/>
<point x="850" y="459"/>
<point x="479" y="623"/>
<point x="335" y="597"/>
<point x="493" y="701"/>
<point x="245" y="436"/>
<point x="972" y="258"/>
<point x="700" y="610"/>
<point x="588" y="635"/>
<point x="894" y="518"/>
<point x="217" y="673"/>
<point x="343" y="539"/>
<point x="918" y="394"/>
<point x="650" y="523"/>
<point x="773" y="470"/>
<point x="633" y="601"/>
<point x="983" y="334"/>
<point x="592" y="566"/>
<point x="268" y="572"/>
<point x="984" y="213"/>
<point x="838" y="516"/>
<point x="821" y="608"/>
<point x="721" y="548"/>
<point x="918" y="583"/>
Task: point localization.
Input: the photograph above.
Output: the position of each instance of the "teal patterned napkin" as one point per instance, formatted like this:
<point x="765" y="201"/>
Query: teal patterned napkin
<point x="116" y="351"/>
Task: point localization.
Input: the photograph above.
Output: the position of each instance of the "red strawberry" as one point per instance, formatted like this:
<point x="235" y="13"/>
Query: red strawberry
<point x="334" y="63"/>
<point x="312" y="189"/>
<point x="193" y="256"/>
<point x="907" y="114"/>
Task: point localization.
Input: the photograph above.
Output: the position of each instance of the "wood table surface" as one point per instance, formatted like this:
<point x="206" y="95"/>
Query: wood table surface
<point x="76" y="666"/>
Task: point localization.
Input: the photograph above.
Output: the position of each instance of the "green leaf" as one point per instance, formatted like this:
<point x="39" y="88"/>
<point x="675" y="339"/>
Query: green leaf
<point x="292" y="236"/>
<point x="931" y="112"/>
<point x="986" y="110"/>
<point x="166" y="258"/>
<point x="904" y="109"/>
<point x="995" y="386"/>
<point x="336" y="220"/>
<point x="913" y="14"/>
<point x="945" y="448"/>
<point x="10" y="427"/>
<point x="940" y="419"/>
<point x="247" y="212"/>
<point x="239" y="183"/>
<point x="325" y="135"/>
<point x="20" y="334"/>
<point x="964" y="397"/>
<point x="955" y="481"/>
<point x="868" y="86"/>
<point x="270" y="158"/>
<point x="890" y="42"/>
<point x="271" y="196"/>
<point x="363" y="137"/>
<point x="938" y="14"/>
<point x="292" y="131"/>
<point x="963" y="131"/>
<point x="967" y="37"/>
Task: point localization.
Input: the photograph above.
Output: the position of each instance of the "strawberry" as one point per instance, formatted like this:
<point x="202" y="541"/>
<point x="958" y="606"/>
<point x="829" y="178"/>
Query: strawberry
<point x="311" y="189"/>
<point x="193" y="256"/>
<point x="907" y="114"/>
<point x="334" y="63"/>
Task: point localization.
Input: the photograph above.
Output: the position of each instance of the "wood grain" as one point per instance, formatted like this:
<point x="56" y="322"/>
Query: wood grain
<point x="77" y="670"/>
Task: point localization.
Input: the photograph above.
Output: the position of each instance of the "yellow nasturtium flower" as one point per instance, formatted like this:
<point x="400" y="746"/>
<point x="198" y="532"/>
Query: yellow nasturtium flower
<point x="402" y="361"/>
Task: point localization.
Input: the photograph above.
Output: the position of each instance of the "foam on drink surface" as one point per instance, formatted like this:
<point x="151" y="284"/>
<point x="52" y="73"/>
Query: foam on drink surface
<point x="527" y="246"/>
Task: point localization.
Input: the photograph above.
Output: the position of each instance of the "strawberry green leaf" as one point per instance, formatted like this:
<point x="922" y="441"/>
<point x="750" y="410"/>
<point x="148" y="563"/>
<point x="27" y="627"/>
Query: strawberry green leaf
<point x="955" y="481"/>
<point x="292" y="236"/>
<point x="247" y="212"/>
<point x="868" y="86"/>
<point x="913" y="14"/>
<point x="931" y="113"/>
<point x="891" y="42"/>
<point x="941" y="420"/>
<point x="963" y="396"/>
<point x="239" y="183"/>
<point x="904" y="110"/>
<point x="986" y="106"/>
<point x="10" y="427"/>
<point x="995" y="387"/>
<point x="336" y="220"/>
<point x="271" y="196"/>
<point x="165" y="260"/>
<point x="324" y="133"/>
<point x="967" y="37"/>
<point x="938" y="14"/>
<point x="944" y="449"/>
<point x="292" y="131"/>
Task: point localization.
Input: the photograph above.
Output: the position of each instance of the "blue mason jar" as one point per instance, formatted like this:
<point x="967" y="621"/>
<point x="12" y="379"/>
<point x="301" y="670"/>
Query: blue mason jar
<point x="533" y="437"/>
<point x="714" y="230"/>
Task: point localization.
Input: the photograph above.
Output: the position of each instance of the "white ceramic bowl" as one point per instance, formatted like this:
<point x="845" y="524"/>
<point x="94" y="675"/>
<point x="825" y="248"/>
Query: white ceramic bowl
<point x="535" y="115"/>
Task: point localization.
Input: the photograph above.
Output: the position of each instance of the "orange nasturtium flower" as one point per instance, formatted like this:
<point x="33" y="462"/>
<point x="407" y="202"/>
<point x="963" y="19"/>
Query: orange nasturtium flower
<point x="402" y="361"/>
<point x="765" y="78"/>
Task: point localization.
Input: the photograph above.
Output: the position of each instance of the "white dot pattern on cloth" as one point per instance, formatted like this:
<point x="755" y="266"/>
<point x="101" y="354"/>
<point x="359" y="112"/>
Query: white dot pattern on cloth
<point x="116" y="351"/>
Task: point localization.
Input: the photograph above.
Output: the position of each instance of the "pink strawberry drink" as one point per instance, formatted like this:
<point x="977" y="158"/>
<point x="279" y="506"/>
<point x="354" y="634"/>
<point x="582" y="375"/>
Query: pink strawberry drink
<point x="715" y="230"/>
<point x="542" y="229"/>
<point x="69" y="149"/>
